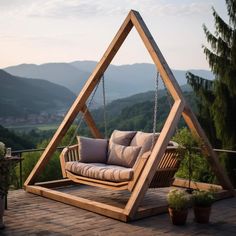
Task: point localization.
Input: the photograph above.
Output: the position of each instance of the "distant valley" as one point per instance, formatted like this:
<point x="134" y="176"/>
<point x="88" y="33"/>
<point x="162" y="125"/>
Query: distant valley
<point x="40" y="94"/>
<point x="25" y="100"/>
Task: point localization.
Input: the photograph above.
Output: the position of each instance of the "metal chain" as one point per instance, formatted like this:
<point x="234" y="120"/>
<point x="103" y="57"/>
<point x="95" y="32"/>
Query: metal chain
<point x="82" y="117"/>
<point x="155" y="109"/>
<point x="167" y="94"/>
<point x="170" y="101"/>
<point x="104" y="106"/>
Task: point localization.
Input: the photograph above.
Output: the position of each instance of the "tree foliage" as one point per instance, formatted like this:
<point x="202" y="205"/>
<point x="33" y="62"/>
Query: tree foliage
<point x="13" y="140"/>
<point x="52" y="170"/>
<point x="217" y="99"/>
<point x="194" y="165"/>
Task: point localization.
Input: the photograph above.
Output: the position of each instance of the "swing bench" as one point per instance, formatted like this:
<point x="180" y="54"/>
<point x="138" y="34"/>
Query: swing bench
<point x="118" y="162"/>
<point x="122" y="169"/>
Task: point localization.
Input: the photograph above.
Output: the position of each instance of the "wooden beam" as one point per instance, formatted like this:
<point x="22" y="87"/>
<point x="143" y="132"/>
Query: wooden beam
<point x="212" y="158"/>
<point x="55" y="183"/>
<point x="90" y="122"/>
<point x="97" y="182"/>
<point x="97" y="207"/>
<point x="223" y="194"/>
<point x="81" y="99"/>
<point x="154" y="159"/>
<point x="150" y="211"/>
<point x="220" y="192"/>
<point x="157" y="57"/>
<point x="104" y="209"/>
<point x="138" y="168"/>
<point x="184" y="183"/>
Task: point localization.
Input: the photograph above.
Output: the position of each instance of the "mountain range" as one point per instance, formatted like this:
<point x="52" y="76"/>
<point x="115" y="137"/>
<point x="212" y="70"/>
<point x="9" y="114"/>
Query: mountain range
<point x="50" y="88"/>
<point x="120" y="80"/>
<point x="22" y="96"/>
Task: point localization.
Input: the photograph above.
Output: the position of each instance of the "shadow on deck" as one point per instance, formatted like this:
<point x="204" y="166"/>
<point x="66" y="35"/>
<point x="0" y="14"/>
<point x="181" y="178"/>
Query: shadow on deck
<point x="29" y="214"/>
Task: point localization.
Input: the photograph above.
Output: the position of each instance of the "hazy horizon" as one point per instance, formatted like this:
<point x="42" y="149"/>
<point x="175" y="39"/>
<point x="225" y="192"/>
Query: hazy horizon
<point x="68" y="62"/>
<point x="47" y="31"/>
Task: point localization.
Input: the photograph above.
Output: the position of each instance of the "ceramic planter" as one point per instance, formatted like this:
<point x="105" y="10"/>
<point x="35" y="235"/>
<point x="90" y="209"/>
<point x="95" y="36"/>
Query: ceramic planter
<point x="202" y="214"/>
<point x="178" y="217"/>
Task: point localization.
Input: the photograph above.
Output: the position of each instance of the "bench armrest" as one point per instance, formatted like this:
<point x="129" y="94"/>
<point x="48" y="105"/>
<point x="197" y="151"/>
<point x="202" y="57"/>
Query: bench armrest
<point x="69" y="153"/>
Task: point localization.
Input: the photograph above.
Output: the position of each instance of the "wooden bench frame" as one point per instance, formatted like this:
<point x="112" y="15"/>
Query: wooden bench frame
<point x="179" y="108"/>
<point x="169" y="164"/>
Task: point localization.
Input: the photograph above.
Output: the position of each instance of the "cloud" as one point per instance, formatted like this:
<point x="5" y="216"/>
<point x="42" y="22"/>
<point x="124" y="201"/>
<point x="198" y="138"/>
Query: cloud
<point x="67" y="8"/>
<point x="187" y="9"/>
<point x="99" y="8"/>
<point x="62" y="8"/>
<point x="81" y="8"/>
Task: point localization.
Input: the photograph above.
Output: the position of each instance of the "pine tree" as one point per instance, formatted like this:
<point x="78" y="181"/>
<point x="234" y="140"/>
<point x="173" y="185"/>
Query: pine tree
<point x="217" y="99"/>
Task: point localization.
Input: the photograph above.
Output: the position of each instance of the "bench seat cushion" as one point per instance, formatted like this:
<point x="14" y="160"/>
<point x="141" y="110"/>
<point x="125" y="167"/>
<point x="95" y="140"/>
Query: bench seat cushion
<point x="100" y="171"/>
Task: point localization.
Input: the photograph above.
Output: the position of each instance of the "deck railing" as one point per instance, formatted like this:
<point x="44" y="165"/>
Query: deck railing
<point x="20" y="152"/>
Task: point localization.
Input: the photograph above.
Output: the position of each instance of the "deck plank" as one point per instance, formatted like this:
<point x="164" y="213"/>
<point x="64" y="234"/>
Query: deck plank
<point x="30" y="214"/>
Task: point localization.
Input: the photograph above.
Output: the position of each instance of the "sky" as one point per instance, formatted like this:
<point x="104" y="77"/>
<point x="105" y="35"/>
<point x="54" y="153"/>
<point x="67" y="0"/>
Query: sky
<point x="42" y="31"/>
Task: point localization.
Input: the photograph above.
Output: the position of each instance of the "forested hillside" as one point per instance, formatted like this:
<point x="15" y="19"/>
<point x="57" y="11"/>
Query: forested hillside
<point x="16" y="142"/>
<point x="21" y="97"/>
<point x="136" y="112"/>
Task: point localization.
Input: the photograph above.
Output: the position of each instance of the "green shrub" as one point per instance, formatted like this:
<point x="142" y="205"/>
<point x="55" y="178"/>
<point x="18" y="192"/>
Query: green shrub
<point x="193" y="164"/>
<point x="203" y="198"/>
<point x="178" y="199"/>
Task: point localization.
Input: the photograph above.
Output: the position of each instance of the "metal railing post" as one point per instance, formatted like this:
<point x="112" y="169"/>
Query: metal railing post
<point x="19" y="153"/>
<point x="21" y="178"/>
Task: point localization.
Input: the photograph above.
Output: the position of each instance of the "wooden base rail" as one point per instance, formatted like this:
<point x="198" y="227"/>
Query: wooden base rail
<point x="50" y="190"/>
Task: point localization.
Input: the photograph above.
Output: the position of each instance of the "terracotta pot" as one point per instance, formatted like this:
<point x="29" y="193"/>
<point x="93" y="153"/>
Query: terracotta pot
<point x="202" y="214"/>
<point x="178" y="217"/>
<point x="2" y="207"/>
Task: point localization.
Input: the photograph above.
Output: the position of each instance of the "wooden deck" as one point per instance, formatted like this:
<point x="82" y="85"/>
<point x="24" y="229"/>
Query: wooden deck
<point x="29" y="214"/>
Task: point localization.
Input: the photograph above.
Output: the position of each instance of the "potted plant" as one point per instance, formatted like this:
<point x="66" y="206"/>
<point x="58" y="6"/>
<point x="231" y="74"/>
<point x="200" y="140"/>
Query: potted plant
<point x="178" y="201"/>
<point x="203" y="200"/>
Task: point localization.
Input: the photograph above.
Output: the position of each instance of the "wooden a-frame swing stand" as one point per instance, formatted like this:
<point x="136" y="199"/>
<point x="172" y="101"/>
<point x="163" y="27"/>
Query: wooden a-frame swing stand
<point x="180" y="107"/>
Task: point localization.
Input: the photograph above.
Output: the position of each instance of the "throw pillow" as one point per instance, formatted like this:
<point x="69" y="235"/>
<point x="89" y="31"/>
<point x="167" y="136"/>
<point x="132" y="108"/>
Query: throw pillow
<point x="123" y="155"/>
<point x="92" y="150"/>
<point x="144" y="140"/>
<point x="122" y="137"/>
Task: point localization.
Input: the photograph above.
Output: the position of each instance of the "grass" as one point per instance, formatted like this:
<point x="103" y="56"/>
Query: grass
<point x="42" y="127"/>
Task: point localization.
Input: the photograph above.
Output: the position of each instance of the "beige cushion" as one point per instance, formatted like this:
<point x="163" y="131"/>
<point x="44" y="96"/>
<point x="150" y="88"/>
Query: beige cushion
<point x="92" y="150"/>
<point x="123" y="156"/>
<point x="100" y="171"/>
<point x="122" y="137"/>
<point x="144" y="140"/>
